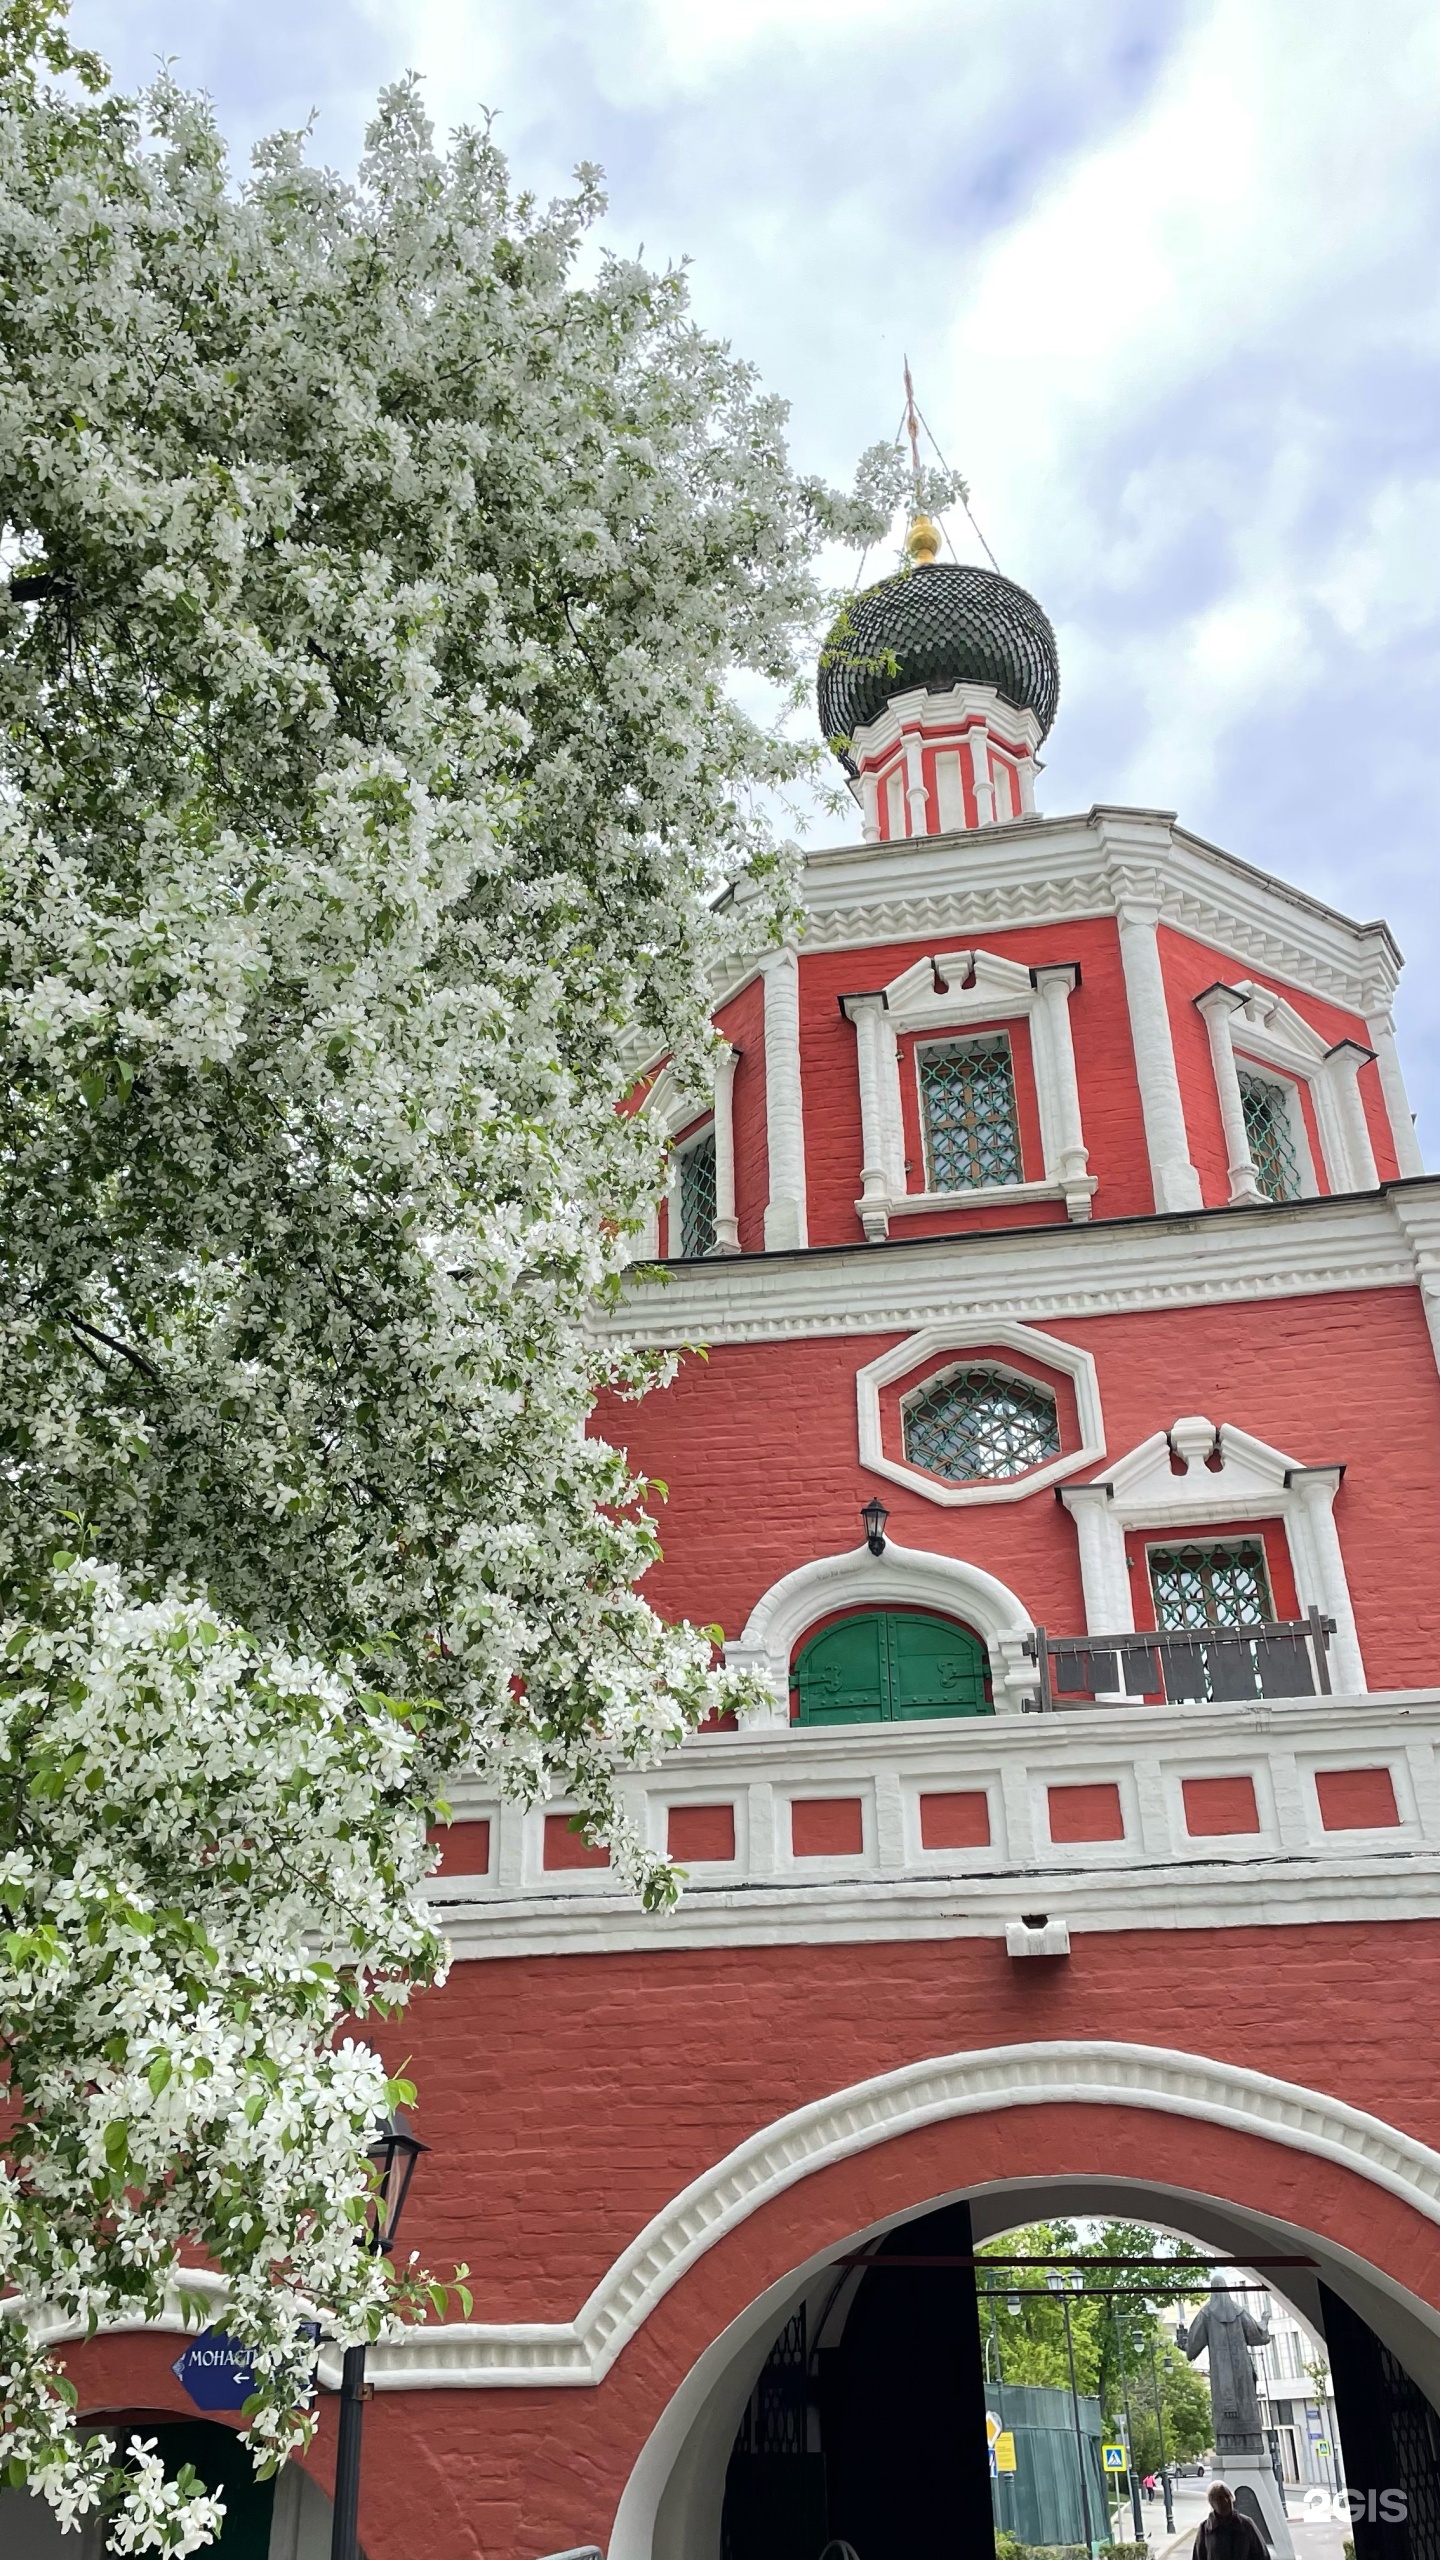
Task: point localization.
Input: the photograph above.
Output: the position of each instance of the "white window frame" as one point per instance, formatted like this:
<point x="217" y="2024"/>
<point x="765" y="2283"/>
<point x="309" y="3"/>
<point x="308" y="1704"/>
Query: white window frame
<point x="986" y="1335"/>
<point x="676" y="1107"/>
<point x="1252" y="1482"/>
<point x="1251" y="1026"/>
<point x="948" y="995"/>
<point x="1288" y="1087"/>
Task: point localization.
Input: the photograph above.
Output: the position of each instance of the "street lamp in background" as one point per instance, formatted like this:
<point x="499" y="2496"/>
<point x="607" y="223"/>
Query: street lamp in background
<point x="394" y="2151"/>
<point x="1120" y="2350"/>
<point x="1057" y="2284"/>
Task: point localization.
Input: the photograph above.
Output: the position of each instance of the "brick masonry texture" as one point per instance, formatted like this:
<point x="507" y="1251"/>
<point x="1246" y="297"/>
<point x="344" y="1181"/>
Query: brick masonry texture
<point x="1356" y="1799"/>
<point x="1214" y="1806"/>
<point x="758" y="1447"/>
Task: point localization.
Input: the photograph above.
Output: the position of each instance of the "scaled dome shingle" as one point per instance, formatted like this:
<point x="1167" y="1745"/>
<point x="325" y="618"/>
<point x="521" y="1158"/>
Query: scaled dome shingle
<point x="945" y="624"/>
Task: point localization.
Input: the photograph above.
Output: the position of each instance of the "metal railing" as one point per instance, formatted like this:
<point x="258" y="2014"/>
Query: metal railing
<point x="1230" y="1666"/>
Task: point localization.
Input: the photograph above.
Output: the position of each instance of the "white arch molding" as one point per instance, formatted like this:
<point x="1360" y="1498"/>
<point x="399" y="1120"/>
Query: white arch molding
<point x="549" y="2355"/>
<point x="903" y="1577"/>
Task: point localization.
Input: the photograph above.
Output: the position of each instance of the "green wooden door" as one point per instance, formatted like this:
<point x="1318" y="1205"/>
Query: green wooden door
<point x="885" y="1667"/>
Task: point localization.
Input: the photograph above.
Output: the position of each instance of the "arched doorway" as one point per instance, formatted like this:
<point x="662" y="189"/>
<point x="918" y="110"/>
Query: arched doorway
<point x="884" y="1666"/>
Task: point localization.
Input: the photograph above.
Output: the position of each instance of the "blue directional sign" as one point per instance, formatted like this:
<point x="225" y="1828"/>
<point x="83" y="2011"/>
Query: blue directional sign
<point x="216" y="2371"/>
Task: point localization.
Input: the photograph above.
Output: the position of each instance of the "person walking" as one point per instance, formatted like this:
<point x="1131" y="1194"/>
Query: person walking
<point x="1227" y="2535"/>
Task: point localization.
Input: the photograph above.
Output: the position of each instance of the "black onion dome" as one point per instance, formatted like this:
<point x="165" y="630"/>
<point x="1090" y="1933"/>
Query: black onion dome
<point x="945" y="624"/>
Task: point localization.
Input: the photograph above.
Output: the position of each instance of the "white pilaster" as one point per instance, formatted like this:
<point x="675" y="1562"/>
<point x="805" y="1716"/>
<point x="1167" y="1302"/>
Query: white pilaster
<point x="785" y="1210"/>
<point x="727" y="1230"/>
<point x="867" y="1012"/>
<point x="1025" y="768"/>
<point x="1173" y="1177"/>
<point x="1072" y="1157"/>
<point x="917" y="799"/>
<point x="1342" y="1068"/>
<point x="1104" y="1580"/>
<point x="1320" y="1574"/>
<point x="869" y="809"/>
<point x="1217" y="1004"/>
<point x="1380" y="1031"/>
<point x="1417" y="1214"/>
<point x="979" y="744"/>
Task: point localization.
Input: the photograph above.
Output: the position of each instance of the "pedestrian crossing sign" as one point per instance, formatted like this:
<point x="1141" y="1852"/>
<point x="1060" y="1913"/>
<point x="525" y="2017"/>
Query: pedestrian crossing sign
<point x="1114" y="2458"/>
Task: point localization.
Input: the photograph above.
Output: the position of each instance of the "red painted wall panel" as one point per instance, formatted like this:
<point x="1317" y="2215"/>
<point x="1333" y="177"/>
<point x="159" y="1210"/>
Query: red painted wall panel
<point x="1356" y="1799"/>
<point x="758" y="1446"/>
<point x="1104" y="1067"/>
<point x="1215" y="1807"/>
<point x="701" y="1834"/>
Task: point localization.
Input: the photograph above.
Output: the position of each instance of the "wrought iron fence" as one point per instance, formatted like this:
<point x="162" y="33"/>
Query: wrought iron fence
<point x="1281" y="1658"/>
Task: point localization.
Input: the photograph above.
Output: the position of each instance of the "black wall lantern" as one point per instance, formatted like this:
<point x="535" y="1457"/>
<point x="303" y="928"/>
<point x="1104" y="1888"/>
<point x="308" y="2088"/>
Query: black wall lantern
<point x="875" y="1516"/>
<point x="394" y="2151"/>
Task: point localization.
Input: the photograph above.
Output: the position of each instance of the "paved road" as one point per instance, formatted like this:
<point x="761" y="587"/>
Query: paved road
<point x="1312" y="2541"/>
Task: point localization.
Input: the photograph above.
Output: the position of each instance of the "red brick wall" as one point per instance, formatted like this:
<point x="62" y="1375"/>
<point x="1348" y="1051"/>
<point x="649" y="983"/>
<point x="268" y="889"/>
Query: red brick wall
<point x="758" y="1446"/>
<point x="567" y="2100"/>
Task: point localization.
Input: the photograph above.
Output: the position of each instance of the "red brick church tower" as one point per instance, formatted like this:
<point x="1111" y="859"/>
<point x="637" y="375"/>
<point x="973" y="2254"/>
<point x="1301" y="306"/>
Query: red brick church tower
<point x="1066" y="1465"/>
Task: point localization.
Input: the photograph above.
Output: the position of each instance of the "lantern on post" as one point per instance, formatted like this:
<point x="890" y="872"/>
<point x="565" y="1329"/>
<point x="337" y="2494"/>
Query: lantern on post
<point x="874" y="1516"/>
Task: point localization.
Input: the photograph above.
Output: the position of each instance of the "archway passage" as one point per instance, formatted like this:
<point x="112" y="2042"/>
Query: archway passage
<point x="888" y="1666"/>
<point x="886" y="2413"/>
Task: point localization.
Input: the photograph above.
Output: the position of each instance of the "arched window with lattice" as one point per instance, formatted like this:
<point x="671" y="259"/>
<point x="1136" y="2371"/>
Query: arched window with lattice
<point x="981" y="1424"/>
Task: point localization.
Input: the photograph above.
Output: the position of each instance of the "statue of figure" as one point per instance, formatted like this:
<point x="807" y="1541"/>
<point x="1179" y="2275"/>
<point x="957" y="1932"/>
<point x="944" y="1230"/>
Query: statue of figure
<point x="1229" y="2331"/>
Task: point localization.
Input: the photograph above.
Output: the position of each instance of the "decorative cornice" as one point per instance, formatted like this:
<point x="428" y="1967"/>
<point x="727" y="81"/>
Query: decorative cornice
<point x="1040" y="1274"/>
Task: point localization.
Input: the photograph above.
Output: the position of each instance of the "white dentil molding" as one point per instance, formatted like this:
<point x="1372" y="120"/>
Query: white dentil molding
<point x="1165" y="2080"/>
<point x="1064" y="1358"/>
<point x="1252" y="1482"/>
<point x="1053" y="871"/>
<point x="1384" y="1240"/>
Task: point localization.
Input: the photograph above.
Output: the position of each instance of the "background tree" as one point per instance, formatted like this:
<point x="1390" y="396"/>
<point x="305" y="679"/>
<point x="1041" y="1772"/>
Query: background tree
<point x="1124" y="2313"/>
<point x="368" y="764"/>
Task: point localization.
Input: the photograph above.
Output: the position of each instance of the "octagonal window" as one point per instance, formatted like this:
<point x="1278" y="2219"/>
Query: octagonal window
<point x="980" y="1425"/>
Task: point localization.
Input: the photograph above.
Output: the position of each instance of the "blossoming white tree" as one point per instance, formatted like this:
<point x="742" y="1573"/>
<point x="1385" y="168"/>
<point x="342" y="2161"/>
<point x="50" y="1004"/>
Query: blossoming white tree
<point x="368" y="763"/>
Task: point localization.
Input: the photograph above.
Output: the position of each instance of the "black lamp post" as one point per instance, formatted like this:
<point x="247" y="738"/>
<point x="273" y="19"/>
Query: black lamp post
<point x="1058" y="2285"/>
<point x="874" y="1516"/>
<point x="394" y="2151"/>
<point x="1165" y="2484"/>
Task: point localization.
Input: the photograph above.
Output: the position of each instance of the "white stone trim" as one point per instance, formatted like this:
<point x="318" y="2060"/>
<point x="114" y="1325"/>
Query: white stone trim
<point x="529" y="2355"/>
<point x="786" y="1222"/>
<point x="1047" y="1275"/>
<point x="727" y="1230"/>
<point x="932" y="996"/>
<point x="1173" y="1178"/>
<point x="1216" y="1006"/>
<point x="905" y="1577"/>
<point x="965" y="717"/>
<point x="1266" y="1030"/>
<point x="1253" y="1482"/>
<point x="1046" y="1348"/>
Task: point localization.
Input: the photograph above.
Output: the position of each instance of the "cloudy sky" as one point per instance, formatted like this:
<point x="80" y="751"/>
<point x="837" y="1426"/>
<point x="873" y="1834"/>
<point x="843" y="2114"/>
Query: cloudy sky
<point x="1167" y="272"/>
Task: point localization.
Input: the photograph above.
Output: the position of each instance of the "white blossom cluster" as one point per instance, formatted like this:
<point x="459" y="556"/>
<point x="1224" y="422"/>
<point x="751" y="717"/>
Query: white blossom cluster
<point x="368" y="764"/>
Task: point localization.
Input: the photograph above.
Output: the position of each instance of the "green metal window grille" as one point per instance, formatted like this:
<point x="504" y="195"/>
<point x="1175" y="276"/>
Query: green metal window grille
<point x="1270" y="1137"/>
<point x="891" y="1666"/>
<point x="967" y="1103"/>
<point x="978" y="1423"/>
<point x="697" y="1196"/>
<point x="1198" y="1587"/>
